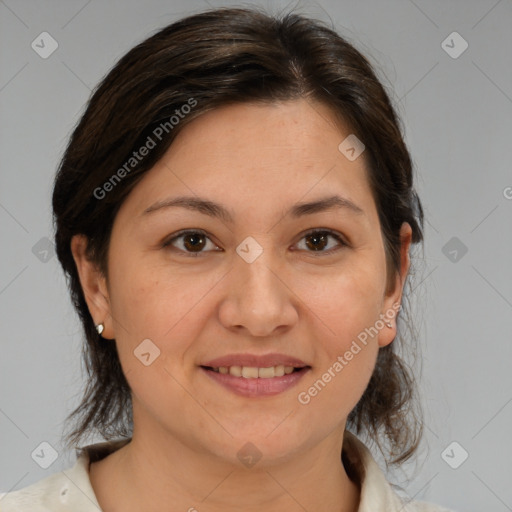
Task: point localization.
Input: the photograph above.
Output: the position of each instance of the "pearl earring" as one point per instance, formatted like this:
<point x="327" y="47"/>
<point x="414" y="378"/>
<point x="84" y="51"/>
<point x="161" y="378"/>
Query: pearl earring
<point x="100" y="328"/>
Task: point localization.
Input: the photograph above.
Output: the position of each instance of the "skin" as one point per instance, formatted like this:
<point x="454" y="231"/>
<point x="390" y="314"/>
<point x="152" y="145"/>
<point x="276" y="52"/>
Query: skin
<point x="258" y="161"/>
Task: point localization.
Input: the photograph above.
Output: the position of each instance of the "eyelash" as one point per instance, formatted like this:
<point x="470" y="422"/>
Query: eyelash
<point x="184" y="232"/>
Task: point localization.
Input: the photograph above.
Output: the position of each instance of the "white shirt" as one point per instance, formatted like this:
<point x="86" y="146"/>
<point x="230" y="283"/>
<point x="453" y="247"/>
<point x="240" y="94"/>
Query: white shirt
<point x="71" y="490"/>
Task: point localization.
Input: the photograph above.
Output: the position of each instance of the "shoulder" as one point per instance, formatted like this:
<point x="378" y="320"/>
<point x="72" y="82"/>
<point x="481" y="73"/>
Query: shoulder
<point x="377" y="493"/>
<point x="70" y="489"/>
<point x="422" y="506"/>
<point x="54" y="493"/>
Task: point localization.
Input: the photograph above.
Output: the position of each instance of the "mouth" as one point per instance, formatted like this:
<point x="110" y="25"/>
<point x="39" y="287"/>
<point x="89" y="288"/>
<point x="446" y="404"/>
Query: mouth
<point x="250" y="375"/>
<point x="253" y="372"/>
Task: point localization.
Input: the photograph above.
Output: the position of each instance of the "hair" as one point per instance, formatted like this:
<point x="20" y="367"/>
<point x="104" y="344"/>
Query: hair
<point x="199" y="63"/>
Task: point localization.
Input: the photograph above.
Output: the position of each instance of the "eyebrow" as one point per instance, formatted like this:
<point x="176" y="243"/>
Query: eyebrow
<point x="216" y="210"/>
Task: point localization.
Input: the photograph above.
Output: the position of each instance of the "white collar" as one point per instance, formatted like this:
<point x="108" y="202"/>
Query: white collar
<point x="72" y="489"/>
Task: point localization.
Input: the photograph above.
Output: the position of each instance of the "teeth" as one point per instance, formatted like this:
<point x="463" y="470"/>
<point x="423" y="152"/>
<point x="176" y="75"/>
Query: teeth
<point x="251" y="372"/>
<point x="236" y="371"/>
<point x="266" y="373"/>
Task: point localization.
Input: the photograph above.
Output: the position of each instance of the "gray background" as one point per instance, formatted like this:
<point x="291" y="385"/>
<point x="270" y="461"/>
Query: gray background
<point x="457" y="115"/>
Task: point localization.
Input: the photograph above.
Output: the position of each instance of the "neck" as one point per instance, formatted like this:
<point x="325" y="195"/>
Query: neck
<point x="157" y="473"/>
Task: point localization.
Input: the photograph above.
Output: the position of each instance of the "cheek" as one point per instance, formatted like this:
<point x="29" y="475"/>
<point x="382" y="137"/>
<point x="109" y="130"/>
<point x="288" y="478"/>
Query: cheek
<point x="154" y="322"/>
<point x="346" y="301"/>
<point x="148" y="300"/>
<point x="167" y="309"/>
<point x="346" y="309"/>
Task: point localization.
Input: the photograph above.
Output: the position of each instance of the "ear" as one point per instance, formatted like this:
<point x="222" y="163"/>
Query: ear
<point x="393" y="300"/>
<point x="94" y="286"/>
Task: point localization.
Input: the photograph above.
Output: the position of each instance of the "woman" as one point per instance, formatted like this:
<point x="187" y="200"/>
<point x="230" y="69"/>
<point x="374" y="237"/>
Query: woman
<point x="235" y="212"/>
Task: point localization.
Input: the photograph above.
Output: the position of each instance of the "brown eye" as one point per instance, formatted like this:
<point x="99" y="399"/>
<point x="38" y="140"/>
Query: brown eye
<point x="194" y="241"/>
<point x="190" y="242"/>
<point x="318" y="240"/>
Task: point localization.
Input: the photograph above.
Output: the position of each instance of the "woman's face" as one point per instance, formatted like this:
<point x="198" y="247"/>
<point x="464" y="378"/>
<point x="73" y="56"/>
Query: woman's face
<point x="247" y="289"/>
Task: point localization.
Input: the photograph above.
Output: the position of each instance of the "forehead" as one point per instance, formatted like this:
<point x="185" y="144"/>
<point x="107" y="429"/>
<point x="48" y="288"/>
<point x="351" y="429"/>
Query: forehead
<point x="258" y="158"/>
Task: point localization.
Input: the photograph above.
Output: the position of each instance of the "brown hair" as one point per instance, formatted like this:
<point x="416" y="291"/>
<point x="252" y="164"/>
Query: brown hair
<point x="204" y="61"/>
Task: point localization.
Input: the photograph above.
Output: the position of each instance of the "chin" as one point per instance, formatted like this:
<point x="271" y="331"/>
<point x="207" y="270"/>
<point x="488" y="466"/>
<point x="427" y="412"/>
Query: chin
<point x="263" y="443"/>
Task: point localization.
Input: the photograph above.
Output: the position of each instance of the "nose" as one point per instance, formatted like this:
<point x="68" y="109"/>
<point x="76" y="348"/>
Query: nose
<point x="258" y="298"/>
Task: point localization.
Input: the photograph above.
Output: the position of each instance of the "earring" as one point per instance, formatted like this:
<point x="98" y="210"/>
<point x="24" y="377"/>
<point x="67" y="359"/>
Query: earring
<point x="389" y="324"/>
<point x="100" y="328"/>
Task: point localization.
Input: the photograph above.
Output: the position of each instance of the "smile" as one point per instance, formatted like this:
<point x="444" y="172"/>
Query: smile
<point x="252" y="372"/>
<point x="252" y="381"/>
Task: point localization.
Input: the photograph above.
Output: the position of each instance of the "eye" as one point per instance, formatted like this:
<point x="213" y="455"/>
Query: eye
<point x="192" y="242"/>
<point x="317" y="240"/>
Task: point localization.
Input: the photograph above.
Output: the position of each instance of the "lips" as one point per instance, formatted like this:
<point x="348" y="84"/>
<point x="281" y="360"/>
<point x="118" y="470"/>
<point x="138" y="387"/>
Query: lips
<point x="255" y="361"/>
<point x="253" y="375"/>
<point x="253" y="372"/>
